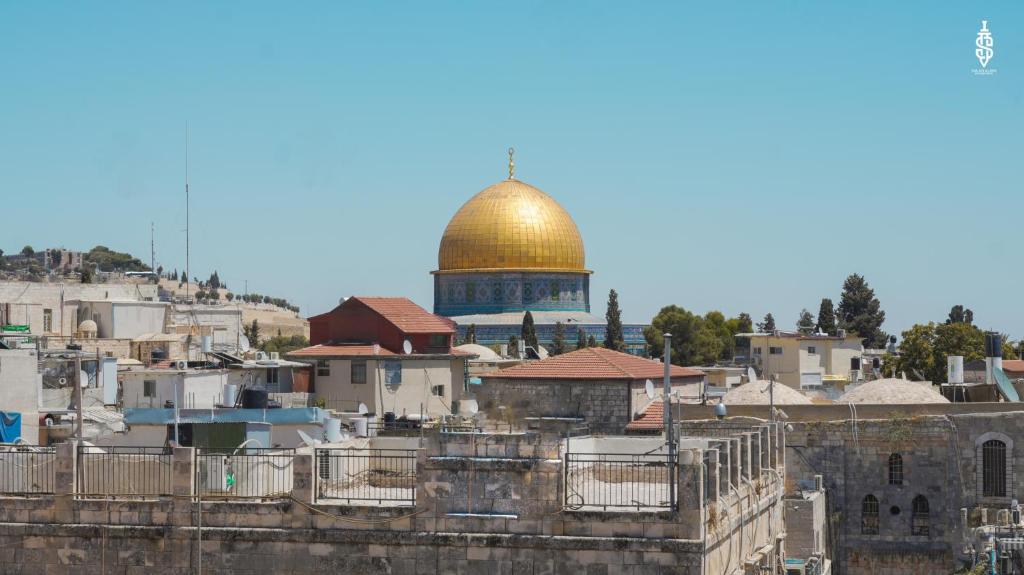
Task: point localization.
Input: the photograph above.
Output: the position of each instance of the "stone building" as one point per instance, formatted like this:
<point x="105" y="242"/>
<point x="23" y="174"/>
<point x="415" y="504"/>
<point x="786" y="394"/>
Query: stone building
<point x="460" y="503"/>
<point x="511" y="249"/>
<point x="602" y="388"/>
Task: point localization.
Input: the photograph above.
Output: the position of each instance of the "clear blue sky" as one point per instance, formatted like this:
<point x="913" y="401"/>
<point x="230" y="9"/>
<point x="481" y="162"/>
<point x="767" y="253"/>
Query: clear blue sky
<point x="741" y="157"/>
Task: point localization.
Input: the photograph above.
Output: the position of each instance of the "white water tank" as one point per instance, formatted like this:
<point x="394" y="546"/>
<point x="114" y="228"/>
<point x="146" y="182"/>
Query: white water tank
<point x="361" y="426"/>
<point x="230" y="394"/>
<point x="955" y="369"/>
<point x="207" y="342"/>
<point x="333" y="428"/>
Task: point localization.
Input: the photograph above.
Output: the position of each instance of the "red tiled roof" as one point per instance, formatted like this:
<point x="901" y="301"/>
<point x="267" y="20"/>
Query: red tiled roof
<point x="406" y="315"/>
<point x="653" y="418"/>
<point x="592" y="363"/>
<point x="1013" y="365"/>
<point x="339" y="350"/>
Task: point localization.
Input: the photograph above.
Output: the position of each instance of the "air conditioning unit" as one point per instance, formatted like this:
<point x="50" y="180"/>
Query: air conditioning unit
<point x="856" y="375"/>
<point x="275" y="355"/>
<point x="181" y="364"/>
<point x="261" y="356"/>
<point x="213" y="474"/>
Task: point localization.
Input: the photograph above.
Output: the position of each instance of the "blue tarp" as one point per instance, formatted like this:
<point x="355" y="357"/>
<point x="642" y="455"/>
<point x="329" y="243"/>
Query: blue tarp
<point x="10" y="426"/>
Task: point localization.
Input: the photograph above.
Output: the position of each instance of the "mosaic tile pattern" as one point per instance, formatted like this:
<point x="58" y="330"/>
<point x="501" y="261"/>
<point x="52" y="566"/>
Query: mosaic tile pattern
<point x="511" y="225"/>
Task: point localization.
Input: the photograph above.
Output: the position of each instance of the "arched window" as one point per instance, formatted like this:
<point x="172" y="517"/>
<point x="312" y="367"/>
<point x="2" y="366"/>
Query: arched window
<point x="869" y="515"/>
<point x="919" y="516"/>
<point x="993" y="468"/>
<point x="895" y="469"/>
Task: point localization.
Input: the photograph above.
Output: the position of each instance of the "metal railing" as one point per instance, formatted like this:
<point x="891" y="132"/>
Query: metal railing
<point x="601" y="481"/>
<point x="124" y="471"/>
<point x="27" y="470"/>
<point x="381" y="476"/>
<point x="249" y="473"/>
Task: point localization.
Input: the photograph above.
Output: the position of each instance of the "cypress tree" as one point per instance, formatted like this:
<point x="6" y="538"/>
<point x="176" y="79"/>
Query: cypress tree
<point x="805" y="325"/>
<point x="613" y="338"/>
<point x="591" y="341"/>
<point x="581" y="338"/>
<point x="768" y="325"/>
<point x="529" y="331"/>
<point x="471" y="333"/>
<point x="827" y="317"/>
<point x="558" y="341"/>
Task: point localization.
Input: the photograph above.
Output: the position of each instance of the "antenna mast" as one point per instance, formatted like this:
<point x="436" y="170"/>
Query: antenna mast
<point x="187" y="276"/>
<point x="152" y="248"/>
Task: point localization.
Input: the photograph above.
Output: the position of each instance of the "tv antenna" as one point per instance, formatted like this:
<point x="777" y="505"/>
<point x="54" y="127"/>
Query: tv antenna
<point x="187" y="275"/>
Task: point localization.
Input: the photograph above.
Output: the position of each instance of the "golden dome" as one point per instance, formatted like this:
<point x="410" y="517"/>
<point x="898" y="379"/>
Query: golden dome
<point x="511" y="226"/>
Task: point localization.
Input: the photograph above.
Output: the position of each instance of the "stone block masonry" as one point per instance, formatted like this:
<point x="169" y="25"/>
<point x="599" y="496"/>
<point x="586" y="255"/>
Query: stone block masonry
<point x="489" y="504"/>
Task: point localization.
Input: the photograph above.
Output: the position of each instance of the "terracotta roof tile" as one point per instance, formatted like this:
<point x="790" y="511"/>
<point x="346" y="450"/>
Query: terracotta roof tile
<point x="406" y="315"/>
<point x="339" y="350"/>
<point x="592" y="363"/>
<point x="653" y="418"/>
<point x="1013" y="365"/>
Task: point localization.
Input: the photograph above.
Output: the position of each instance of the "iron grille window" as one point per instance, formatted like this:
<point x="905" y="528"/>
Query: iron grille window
<point x="812" y="350"/>
<point x="993" y="466"/>
<point x="775" y="351"/>
<point x="919" y="516"/>
<point x="358" y="372"/>
<point x="149" y="388"/>
<point x="869" y="515"/>
<point x="895" y="469"/>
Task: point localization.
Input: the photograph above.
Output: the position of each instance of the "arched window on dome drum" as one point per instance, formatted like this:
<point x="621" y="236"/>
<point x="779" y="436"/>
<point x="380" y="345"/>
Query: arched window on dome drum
<point x="993" y="468"/>
<point x="869" y="515"/>
<point x="895" y="469"/>
<point x="919" y="516"/>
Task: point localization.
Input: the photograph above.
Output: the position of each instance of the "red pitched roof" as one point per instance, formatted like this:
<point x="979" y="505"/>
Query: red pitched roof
<point x="1013" y="365"/>
<point x="406" y="315"/>
<point x="339" y="350"/>
<point x="653" y="418"/>
<point x="592" y="363"/>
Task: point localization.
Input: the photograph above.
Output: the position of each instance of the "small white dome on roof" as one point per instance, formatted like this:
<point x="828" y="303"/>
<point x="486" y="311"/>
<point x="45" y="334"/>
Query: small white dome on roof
<point x="483" y="353"/>
<point x="893" y="391"/>
<point x="88" y="327"/>
<point x="758" y="393"/>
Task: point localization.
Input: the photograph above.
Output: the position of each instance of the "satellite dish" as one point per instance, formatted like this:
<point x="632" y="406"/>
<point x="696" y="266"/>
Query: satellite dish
<point x="751" y="374"/>
<point x="309" y="441"/>
<point x="406" y="347"/>
<point x="363" y="410"/>
<point x="649" y="388"/>
<point x="83" y="378"/>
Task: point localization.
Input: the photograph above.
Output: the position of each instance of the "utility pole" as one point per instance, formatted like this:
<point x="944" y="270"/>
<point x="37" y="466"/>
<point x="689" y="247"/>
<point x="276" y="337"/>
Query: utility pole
<point x="78" y="393"/>
<point x="152" y="248"/>
<point x="667" y="401"/>
<point x="188" y="277"/>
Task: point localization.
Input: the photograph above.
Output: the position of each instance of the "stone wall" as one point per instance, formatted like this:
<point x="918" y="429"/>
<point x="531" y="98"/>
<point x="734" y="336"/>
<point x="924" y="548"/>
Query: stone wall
<point x="604" y="404"/>
<point x="939" y="461"/>
<point x="484" y="504"/>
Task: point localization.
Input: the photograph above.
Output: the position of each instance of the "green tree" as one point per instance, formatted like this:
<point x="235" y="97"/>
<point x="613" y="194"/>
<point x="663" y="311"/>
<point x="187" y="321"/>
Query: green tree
<point x="27" y="251"/>
<point x="252" y="333"/>
<point x="724" y="330"/>
<point x="285" y="344"/>
<point x="694" y="341"/>
<point x="581" y="338"/>
<point x="86" y="275"/>
<point x="826" y="317"/>
<point x="513" y="346"/>
<point x="860" y="312"/>
<point x="471" y="333"/>
<point x="529" y="331"/>
<point x="917" y="351"/>
<point x="558" y="346"/>
<point x="591" y="341"/>
<point x="229" y="296"/>
<point x="613" y="338"/>
<point x="805" y="324"/>
<point x="768" y="325"/>
<point x="214" y="281"/>
<point x="960" y="314"/>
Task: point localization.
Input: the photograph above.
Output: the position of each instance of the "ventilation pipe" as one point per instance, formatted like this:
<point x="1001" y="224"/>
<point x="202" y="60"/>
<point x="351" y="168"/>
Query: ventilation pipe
<point x="993" y="355"/>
